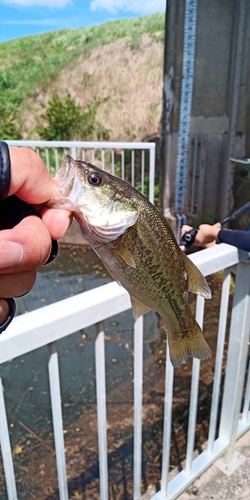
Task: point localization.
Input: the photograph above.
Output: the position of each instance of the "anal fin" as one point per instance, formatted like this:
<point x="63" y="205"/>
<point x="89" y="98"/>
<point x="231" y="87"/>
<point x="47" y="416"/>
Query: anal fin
<point x="138" y="307"/>
<point x="197" y="283"/>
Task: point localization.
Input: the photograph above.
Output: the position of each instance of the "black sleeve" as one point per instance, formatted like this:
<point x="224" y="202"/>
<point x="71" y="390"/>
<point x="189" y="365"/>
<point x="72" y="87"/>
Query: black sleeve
<point x="13" y="210"/>
<point x="239" y="239"/>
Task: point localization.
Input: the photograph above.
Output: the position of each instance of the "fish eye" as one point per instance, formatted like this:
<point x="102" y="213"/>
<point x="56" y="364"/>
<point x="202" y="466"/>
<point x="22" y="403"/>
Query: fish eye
<point x="94" y="179"/>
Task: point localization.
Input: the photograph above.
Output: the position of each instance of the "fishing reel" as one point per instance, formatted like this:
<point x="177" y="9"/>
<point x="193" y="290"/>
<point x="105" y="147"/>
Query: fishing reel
<point x="188" y="238"/>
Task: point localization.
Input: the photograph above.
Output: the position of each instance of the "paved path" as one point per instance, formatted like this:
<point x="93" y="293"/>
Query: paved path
<point x="214" y="485"/>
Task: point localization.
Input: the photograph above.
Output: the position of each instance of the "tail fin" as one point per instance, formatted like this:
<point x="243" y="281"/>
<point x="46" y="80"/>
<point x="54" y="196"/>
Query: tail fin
<point x="186" y="344"/>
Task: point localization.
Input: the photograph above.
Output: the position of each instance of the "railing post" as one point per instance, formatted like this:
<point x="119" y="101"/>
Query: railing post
<point x="167" y="423"/>
<point x="6" y="449"/>
<point x="138" y="384"/>
<point x="55" y="394"/>
<point x="101" y="409"/>
<point x="237" y="358"/>
<point x="152" y="174"/>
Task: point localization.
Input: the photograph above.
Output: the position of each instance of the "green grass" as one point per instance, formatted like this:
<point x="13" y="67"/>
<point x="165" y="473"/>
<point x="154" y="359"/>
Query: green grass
<point x="31" y="62"/>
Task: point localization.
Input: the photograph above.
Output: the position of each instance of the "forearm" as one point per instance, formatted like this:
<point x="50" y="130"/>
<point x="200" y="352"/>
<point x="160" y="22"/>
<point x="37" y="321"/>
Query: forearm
<point x="239" y="239"/>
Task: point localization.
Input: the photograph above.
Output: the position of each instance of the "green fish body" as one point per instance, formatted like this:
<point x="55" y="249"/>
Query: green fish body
<point x="137" y="246"/>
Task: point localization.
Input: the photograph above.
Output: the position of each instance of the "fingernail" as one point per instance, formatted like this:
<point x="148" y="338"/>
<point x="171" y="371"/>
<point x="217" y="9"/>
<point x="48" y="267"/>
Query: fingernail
<point x="11" y="253"/>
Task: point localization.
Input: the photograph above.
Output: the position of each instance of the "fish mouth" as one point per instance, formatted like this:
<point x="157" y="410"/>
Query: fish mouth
<point x="66" y="173"/>
<point x="65" y="181"/>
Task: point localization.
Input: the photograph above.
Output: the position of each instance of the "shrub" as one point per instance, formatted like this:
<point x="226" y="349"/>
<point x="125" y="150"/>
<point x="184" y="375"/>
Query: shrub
<point x="9" y="128"/>
<point x="67" y="121"/>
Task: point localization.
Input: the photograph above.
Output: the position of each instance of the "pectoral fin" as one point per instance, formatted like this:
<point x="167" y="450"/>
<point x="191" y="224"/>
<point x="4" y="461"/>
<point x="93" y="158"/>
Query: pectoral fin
<point x="124" y="253"/>
<point x="138" y="307"/>
<point x="196" y="281"/>
<point x="106" y="265"/>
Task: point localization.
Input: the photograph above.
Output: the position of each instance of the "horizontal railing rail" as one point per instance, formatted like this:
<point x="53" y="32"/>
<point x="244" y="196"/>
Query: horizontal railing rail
<point x="47" y="325"/>
<point x="131" y="161"/>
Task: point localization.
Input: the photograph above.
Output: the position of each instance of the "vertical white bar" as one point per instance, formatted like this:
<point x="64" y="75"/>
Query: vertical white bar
<point x="122" y="165"/>
<point x="56" y="159"/>
<point x="167" y="423"/>
<point x="133" y="167"/>
<point x="55" y="394"/>
<point x="194" y="394"/>
<point x="93" y="156"/>
<point x="74" y="153"/>
<point x="101" y="409"/>
<point x="152" y="174"/>
<point x="138" y="382"/>
<point x="83" y="155"/>
<point x="219" y="359"/>
<point x="103" y="159"/>
<point x="142" y="171"/>
<point x="47" y="159"/>
<point x="6" y="449"/>
<point x="236" y="359"/>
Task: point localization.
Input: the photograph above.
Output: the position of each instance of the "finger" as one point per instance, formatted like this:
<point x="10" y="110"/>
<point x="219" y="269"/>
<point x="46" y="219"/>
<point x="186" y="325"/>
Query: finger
<point x="17" y="284"/>
<point x="57" y="221"/>
<point x="25" y="247"/>
<point x="185" y="228"/>
<point x="30" y="179"/>
<point x="4" y="310"/>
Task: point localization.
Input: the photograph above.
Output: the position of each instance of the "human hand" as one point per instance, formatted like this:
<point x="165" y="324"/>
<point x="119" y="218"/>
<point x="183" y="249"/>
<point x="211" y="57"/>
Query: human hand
<point x="28" y="245"/>
<point x="207" y="235"/>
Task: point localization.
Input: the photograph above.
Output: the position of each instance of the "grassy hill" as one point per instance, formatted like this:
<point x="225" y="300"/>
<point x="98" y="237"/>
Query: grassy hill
<point x="119" y="63"/>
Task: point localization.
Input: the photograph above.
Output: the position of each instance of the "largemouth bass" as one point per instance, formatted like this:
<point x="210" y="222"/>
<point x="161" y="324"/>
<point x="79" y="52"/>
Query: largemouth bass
<point x="138" y="248"/>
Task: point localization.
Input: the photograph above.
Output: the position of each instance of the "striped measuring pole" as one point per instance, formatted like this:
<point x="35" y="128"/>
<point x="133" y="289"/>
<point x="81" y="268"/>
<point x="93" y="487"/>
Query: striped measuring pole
<point x="186" y="101"/>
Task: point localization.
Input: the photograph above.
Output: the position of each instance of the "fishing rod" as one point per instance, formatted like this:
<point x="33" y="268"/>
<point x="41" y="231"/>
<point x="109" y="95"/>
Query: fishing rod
<point x="189" y="237"/>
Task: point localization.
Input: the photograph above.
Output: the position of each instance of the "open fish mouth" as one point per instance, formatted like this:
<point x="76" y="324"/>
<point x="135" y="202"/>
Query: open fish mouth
<point x="99" y="207"/>
<point x="65" y="175"/>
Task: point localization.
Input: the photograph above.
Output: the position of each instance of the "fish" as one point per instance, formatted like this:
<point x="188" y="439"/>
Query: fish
<point x="138" y="248"/>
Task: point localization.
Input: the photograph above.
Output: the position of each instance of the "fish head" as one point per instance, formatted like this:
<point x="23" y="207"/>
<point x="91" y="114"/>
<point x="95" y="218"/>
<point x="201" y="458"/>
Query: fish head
<point x="102" y="204"/>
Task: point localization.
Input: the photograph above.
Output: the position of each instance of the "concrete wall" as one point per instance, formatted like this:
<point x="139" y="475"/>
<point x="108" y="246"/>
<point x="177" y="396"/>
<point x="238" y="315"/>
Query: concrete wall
<point x="220" y="115"/>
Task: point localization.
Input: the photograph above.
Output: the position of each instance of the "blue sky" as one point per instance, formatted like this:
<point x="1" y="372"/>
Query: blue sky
<point x="27" y="17"/>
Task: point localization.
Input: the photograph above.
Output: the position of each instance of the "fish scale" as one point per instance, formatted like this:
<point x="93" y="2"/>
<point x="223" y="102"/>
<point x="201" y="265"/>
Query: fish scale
<point x="152" y="276"/>
<point x="137" y="246"/>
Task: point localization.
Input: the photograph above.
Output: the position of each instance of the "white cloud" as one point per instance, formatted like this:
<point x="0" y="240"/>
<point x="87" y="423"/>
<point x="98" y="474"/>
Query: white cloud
<point x="39" y="3"/>
<point x="136" y="6"/>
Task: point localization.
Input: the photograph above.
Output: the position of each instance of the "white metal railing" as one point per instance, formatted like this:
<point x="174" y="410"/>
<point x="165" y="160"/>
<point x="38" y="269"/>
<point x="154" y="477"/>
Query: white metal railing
<point x="47" y="325"/>
<point x="139" y="166"/>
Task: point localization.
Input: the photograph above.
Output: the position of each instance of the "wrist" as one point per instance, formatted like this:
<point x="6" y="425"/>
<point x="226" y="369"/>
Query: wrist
<point x="10" y="314"/>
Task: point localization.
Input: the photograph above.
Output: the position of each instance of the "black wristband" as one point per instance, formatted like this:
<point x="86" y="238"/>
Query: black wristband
<point x="12" y="306"/>
<point x="4" y="170"/>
